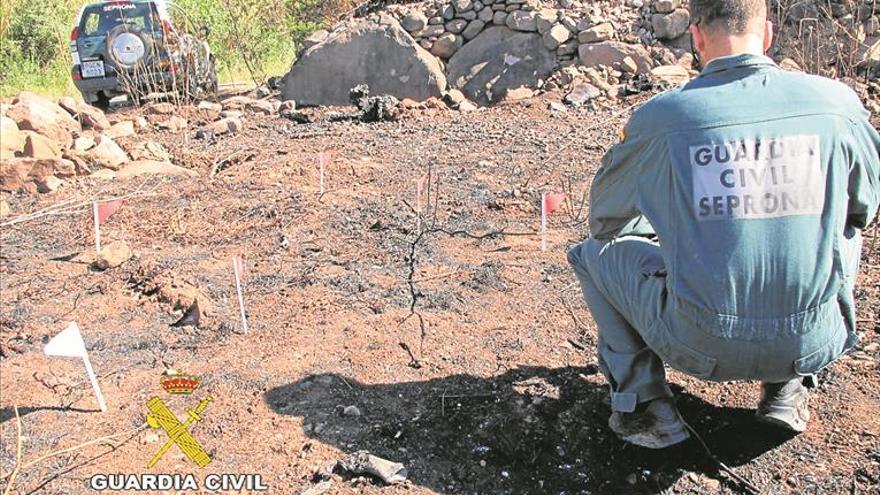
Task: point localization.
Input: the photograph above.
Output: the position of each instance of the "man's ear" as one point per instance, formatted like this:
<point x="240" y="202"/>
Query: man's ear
<point x="768" y="35"/>
<point x="697" y="39"/>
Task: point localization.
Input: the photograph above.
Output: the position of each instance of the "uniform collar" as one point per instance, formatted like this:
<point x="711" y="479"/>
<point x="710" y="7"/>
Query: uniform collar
<point x="736" y="61"/>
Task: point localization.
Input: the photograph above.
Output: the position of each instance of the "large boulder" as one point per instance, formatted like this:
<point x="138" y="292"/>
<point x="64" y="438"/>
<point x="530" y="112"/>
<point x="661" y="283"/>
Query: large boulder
<point x="140" y="168"/>
<point x="23" y="174"/>
<point x="89" y="116"/>
<point x="35" y="113"/>
<point x="671" y="26"/>
<point x="363" y="51"/>
<point x="613" y="53"/>
<point x="497" y="60"/>
<point x="11" y="139"/>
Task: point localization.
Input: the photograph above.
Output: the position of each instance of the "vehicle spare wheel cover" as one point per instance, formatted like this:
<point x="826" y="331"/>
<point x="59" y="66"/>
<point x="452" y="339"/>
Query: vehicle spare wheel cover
<point x="127" y="49"/>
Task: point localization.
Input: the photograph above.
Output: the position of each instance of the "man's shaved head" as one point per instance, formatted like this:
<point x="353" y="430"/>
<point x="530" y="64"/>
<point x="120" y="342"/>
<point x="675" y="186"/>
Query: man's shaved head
<point x="734" y="16"/>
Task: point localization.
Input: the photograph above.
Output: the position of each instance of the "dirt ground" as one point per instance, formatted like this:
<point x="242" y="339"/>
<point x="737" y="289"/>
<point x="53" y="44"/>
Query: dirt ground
<point x="466" y="349"/>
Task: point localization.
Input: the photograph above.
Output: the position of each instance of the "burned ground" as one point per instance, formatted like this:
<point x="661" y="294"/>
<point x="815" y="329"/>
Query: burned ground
<point x="466" y="349"/>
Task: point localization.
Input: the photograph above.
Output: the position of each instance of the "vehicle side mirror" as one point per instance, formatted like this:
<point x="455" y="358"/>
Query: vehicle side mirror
<point x="206" y="31"/>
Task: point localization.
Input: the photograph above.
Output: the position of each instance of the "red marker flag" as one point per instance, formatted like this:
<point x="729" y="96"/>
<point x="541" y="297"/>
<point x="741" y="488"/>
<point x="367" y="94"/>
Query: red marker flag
<point x="552" y="201"/>
<point x="108" y="208"/>
<point x="238" y="261"/>
<point x="324" y="159"/>
<point x="101" y="211"/>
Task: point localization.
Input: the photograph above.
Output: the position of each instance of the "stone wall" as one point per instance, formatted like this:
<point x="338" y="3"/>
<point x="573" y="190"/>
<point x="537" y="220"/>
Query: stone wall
<point x="519" y="43"/>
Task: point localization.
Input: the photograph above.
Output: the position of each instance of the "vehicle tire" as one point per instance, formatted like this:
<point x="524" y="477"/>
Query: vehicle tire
<point x="129" y="47"/>
<point x="101" y="103"/>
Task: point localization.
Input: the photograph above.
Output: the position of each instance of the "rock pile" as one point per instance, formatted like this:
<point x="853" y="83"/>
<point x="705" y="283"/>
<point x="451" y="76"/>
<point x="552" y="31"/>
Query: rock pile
<point x="484" y="48"/>
<point x="46" y="145"/>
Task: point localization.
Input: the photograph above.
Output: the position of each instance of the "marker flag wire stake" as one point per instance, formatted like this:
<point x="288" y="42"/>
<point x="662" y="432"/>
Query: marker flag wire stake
<point x="69" y="343"/>
<point x="420" y="186"/>
<point x="324" y="158"/>
<point x="238" y="269"/>
<point x="550" y="202"/>
<point x="97" y="227"/>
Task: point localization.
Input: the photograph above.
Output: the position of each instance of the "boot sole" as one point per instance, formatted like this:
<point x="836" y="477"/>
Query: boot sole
<point x="654" y="440"/>
<point x="786" y="418"/>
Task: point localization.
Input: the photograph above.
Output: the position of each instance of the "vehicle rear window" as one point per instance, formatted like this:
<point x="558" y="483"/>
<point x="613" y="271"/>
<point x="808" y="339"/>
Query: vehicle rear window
<point x="98" y="19"/>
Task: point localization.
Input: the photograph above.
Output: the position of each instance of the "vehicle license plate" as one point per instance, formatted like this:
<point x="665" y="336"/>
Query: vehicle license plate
<point x="92" y="68"/>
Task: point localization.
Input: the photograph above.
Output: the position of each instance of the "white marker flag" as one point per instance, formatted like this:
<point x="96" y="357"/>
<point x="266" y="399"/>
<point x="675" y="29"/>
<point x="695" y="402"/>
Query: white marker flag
<point x="69" y="343"/>
<point x="238" y="270"/>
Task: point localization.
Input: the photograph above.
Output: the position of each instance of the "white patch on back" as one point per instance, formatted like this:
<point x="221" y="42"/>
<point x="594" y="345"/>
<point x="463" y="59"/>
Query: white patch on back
<point x="751" y="179"/>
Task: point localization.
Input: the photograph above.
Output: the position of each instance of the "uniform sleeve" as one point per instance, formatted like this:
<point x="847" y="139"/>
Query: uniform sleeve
<point x="864" y="175"/>
<point x="614" y="193"/>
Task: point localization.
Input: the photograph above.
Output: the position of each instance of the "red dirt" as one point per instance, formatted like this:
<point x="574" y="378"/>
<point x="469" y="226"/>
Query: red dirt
<point x="501" y="395"/>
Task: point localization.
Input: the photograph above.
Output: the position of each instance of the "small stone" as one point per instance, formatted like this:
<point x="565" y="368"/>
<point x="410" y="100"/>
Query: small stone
<point x="48" y="184"/>
<point x="520" y="20"/>
<point x="209" y="106"/>
<point x="103" y="174"/>
<point x="351" y="411"/>
<point x="454" y="97"/>
<point x="486" y="15"/>
<point x="467" y="106"/>
<point x="83" y="143"/>
<point x="500" y="18"/>
<point x="446" y="45"/>
<point x="456" y="26"/>
<point x="581" y="94"/>
<point x="112" y="255"/>
<point x="629" y="65"/>
<point x="599" y="32"/>
<point x="4" y="208"/>
<point x="151" y="437"/>
<point x="106" y="153"/>
<point x="557" y="35"/>
<point x="173" y="123"/>
<point x="39" y="146"/>
<point x="120" y="130"/>
<point x="162" y="108"/>
<point x="674" y="75"/>
<point x="632" y="479"/>
<point x="414" y="21"/>
<point x="473" y="28"/>
<point x="597" y="80"/>
<point x="520" y="93"/>
<point x="569" y="48"/>
<point x="671" y="26"/>
<point x="433" y="31"/>
<point x="462" y="5"/>
<point x="140" y="168"/>
<point x="666" y="6"/>
<point x="556" y="107"/>
<point x="545" y="20"/>
<point x="229" y="125"/>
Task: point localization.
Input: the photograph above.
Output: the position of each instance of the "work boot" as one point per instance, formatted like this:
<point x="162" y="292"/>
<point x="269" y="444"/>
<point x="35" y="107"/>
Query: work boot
<point x="656" y="425"/>
<point x="785" y="405"/>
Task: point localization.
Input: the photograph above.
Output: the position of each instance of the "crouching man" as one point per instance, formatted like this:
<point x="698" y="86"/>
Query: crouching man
<point x="726" y="231"/>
